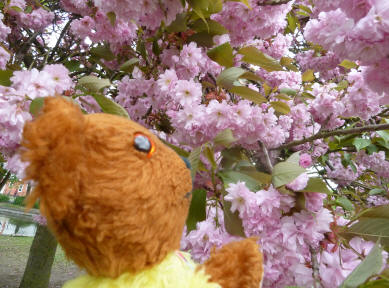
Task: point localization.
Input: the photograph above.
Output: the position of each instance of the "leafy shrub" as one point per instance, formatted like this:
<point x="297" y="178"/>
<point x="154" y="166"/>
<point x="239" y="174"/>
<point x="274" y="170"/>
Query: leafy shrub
<point x="20" y="201"/>
<point x="4" y="198"/>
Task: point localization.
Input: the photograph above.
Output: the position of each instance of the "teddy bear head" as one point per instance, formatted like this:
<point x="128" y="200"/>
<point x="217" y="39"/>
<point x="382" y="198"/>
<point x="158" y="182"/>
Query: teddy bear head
<point x="114" y="195"/>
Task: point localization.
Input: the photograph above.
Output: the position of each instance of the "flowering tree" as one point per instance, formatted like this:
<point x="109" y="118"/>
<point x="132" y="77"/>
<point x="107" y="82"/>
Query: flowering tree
<point x="280" y="107"/>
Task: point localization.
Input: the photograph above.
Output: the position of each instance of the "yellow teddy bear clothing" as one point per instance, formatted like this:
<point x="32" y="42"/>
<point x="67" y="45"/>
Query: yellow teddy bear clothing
<point x="176" y="271"/>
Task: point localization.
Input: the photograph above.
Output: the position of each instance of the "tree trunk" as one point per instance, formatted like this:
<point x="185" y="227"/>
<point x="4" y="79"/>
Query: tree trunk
<point x="4" y="180"/>
<point x="40" y="260"/>
<point x="28" y="189"/>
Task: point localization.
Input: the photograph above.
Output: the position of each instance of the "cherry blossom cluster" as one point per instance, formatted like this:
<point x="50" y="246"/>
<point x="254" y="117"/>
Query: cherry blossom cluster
<point x="15" y="100"/>
<point x="355" y="30"/>
<point x="245" y="23"/>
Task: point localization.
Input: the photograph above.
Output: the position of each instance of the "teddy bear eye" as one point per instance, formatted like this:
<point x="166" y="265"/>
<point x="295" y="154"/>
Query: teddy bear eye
<point x="144" y="144"/>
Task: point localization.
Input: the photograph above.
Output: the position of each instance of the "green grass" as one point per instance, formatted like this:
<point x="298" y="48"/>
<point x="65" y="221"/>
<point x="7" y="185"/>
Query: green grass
<point x="14" y="253"/>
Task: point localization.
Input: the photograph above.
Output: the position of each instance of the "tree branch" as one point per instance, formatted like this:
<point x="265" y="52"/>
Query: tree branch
<point x="315" y="268"/>
<point x="63" y="32"/>
<point x="326" y="134"/>
<point x="269" y="166"/>
<point x="273" y="2"/>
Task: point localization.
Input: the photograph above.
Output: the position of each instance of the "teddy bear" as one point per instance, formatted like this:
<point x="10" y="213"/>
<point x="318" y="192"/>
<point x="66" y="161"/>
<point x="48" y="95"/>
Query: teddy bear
<point x="116" y="198"/>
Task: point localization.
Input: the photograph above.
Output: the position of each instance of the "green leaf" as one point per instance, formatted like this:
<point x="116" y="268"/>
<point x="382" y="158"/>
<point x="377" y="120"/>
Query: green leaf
<point x="248" y="94"/>
<point x="254" y="56"/>
<point x="361" y="143"/>
<point x="232" y="221"/>
<point x="267" y="89"/>
<point x="72" y="65"/>
<point x="103" y="52"/>
<point x="17" y="9"/>
<point x="288" y="63"/>
<point x="228" y="76"/>
<point x="231" y="156"/>
<point x="109" y="106"/>
<point x="293" y="22"/>
<point x="93" y="83"/>
<point x="230" y="176"/>
<point x="342" y="85"/>
<point x="36" y="105"/>
<point x="372" y="224"/>
<point x="368" y="267"/>
<point x="222" y="54"/>
<point x="317" y="185"/>
<point x="210" y="27"/>
<point x="203" y="39"/>
<point x="288" y="91"/>
<point x="129" y="64"/>
<point x="28" y="9"/>
<point x="198" y="6"/>
<point x="5" y="76"/>
<point x="348" y="64"/>
<point x="294" y="158"/>
<point x="225" y="138"/>
<point x="197" y="212"/>
<point x="376" y="284"/>
<point x="215" y="6"/>
<point x="371" y="149"/>
<point x="112" y="18"/>
<point x="260" y="177"/>
<point x="210" y="154"/>
<point x="194" y="159"/>
<point x="155" y="48"/>
<point x="245" y="2"/>
<point x="179" y="24"/>
<point x="376" y="191"/>
<point x="285" y="172"/>
<point x="384" y="134"/>
<point x="308" y="76"/>
<point x="177" y="149"/>
<point x="345" y="203"/>
<point x="253" y="77"/>
<point x="280" y="107"/>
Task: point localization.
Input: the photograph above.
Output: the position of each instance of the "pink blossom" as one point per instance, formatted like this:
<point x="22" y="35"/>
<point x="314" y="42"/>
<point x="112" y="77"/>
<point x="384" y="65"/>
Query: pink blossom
<point x="16" y="166"/>
<point x="40" y="219"/>
<point x="147" y="13"/>
<point x="299" y="183"/>
<point x="60" y="77"/>
<point x="38" y="19"/>
<point x="187" y="92"/>
<point x="326" y="107"/>
<point x="4" y="30"/>
<point x="314" y="201"/>
<point x="167" y="80"/>
<point x="34" y="83"/>
<point x="237" y="193"/>
<point x="4" y="58"/>
<point x="305" y="160"/>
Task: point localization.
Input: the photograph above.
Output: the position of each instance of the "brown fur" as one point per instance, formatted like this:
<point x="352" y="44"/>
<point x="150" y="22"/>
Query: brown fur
<point x="236" y="265"/>
<point x="111" y="207"/>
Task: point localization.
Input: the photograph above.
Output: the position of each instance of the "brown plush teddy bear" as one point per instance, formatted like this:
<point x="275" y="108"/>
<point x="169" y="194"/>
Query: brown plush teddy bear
<point x="117" y="198"/>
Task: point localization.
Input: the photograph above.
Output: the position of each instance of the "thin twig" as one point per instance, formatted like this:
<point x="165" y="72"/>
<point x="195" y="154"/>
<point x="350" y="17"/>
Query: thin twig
<point x="315" y="268"/>
<point x="269" y="166"/>
<point x="326" y="134"/>
<point x="63" y="32"/>
<point x="273" y="2"/>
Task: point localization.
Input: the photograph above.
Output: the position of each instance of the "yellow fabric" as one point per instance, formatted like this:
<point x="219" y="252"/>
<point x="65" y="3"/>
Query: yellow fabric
<point x="176" y="271"/>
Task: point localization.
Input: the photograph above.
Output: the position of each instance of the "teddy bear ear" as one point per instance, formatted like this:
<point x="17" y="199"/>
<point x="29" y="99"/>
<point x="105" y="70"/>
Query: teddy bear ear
<point x="53" y="146"/>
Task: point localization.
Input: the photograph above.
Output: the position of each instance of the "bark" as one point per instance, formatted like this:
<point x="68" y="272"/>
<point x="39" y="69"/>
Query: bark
<point x="4" y="180"/>
<point x="40" y="260"/>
